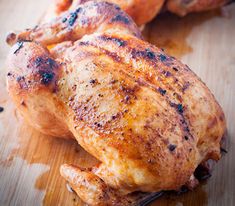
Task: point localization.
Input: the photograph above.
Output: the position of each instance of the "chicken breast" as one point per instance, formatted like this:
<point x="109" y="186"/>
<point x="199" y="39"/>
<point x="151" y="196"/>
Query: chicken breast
<point x="144" y="115"/>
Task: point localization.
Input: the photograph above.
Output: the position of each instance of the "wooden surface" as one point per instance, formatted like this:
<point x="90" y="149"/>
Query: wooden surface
<point x="29" y="161"/>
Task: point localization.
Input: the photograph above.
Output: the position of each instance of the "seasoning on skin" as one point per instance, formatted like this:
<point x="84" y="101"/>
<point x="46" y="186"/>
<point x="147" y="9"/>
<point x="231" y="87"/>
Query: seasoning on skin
<point x="162" y="57"/>
<point x="72" y="18"/>
<point x="150" y="54"/>
<point x="162" y="91"/>
<point x="46" y="77"/>
<point x="127" y="98"/>
<point x="186" y="137"/>
<point x="121" y="18"/>
<point x="114" y="81"/>
<point x="114" y="117"/>
<point x="20" y="45"/>
<point x="180" y="108"/>
<point x="19" y="78"/>
<point x="174" y="68"/>
<point x="118" y="41"/>
<point x="92" y="81"/>
<point x="78" y="10"/>
<point x="171" y="147"/>
<point x="167" y="74"/>
<point x="97" y="124"/>
<point x="1" y="109"/>
<point x="64" y="20"/>
<point x="50" y="62"/>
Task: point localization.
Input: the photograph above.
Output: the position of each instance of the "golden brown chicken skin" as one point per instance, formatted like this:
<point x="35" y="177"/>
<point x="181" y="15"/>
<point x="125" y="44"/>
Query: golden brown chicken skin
<point x="144" y="115"/>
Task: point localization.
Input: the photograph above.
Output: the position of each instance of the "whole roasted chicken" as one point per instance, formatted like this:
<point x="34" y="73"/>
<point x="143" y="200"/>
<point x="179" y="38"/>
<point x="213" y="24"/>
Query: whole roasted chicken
<point x="143" y="11"/>
<point x="144" y="115"/>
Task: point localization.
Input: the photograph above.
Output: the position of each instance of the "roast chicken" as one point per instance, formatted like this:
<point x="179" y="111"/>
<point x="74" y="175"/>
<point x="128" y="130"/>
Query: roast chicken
<point x="143" y="11"/>
<point x="144" y="115"/>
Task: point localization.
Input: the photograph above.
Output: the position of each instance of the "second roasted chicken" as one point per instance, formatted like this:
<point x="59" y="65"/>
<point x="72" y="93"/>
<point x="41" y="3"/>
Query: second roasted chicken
<point x="143" y="11"/>
<point x="144" y="115"/>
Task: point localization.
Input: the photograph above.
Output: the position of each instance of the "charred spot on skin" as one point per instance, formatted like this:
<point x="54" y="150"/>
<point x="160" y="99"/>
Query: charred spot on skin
<point x="147" y="53"/>
<point x="97" y="124"/>
<point x="162" y="57"/>
<point x="93" y="81"/>
<point x="50" y="62"/>
<point x="186" y="138"/>
<point x="1" y="109"/>
<point x="167" y="73"/>
<point x="120" y="18"/>
<point x="72" y="18"/>
<point x="127" y="99"/>
<point x="113" y="117"/>
<point x="83" y="43"/>
<point x="128" y="90"/>
<point x="78" y="10"/>
<point x="180" y="108"/>
<point x="172" y="147"/>
<point x="38" y="61"/>
<point x="113" y="55"/>
<point x="113" y="81"/>
<point x="41" y="61"/>
<point x="118" y="41"/>
<point x="18" y="79"/>
<point x="175" y="69"/>
<point x="162" y="91"/>
<point x="46" y="77"/>
<point x="100" y="95"/>
<point x="64" y="20"/>
<point x="185" y="86"/>
<point x="19" y="46"/>
<point x="23" y="103"/>
<point x="74" y="87"/>
<point x="150" y="54"/>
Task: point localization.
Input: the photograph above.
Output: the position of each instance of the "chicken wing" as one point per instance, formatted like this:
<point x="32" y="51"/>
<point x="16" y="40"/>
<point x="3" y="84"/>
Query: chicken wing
<point x="144" y="115"/>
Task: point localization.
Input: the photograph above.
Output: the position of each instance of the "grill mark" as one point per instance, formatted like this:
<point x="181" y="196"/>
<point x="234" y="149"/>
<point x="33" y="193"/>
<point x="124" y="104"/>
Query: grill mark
<point x="141" y="53"/>
<point x="117" y="41"/>
<point x="149" y="57"/>
<point x="152" y="59"/>
<point x="120" y="18"/>
<point x="148" y="84"/>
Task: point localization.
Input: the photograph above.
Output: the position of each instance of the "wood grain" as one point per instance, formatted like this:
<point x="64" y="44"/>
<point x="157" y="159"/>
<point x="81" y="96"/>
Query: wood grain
<point x="29" y="161"/>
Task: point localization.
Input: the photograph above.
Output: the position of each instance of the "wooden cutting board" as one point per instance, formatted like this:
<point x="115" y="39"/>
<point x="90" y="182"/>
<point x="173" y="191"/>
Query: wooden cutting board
<point x="29" y="161"/>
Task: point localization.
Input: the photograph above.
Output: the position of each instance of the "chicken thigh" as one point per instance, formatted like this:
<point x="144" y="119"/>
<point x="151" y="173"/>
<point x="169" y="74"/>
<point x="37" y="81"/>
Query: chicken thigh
<point x="144" y="115"/>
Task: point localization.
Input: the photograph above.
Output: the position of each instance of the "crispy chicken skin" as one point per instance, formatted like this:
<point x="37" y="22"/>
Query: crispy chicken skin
<point x="143" y="11"/>
<point x="144" y="115"/>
